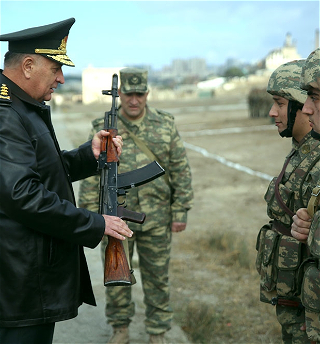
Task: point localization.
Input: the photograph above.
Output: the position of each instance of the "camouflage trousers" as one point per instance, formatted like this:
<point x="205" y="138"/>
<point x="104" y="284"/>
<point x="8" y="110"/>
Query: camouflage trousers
<point x="278" y="262"/>
<point x="313" y="325"/>
<point x="311" y="298"/>
<point x="153" y="249"/>
<point x="291" y="320"/>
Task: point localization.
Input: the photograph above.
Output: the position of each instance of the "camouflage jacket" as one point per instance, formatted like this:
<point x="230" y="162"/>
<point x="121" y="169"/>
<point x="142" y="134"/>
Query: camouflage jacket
<point x="161" y="203"/>
<point x="301" y="176"/>
<point x="280" y="256"/>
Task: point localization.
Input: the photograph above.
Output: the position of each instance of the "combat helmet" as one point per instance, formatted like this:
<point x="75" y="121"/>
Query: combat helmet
<point x="285" y="82"/>
<point x="310" y="76"/>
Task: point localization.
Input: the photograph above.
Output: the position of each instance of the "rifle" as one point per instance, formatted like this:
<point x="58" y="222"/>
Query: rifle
<point x="117" y="271"/>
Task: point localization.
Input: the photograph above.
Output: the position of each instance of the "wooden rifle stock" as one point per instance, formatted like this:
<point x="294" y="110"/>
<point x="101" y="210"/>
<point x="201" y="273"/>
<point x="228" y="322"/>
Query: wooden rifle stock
<point x="116" y="267"/>
<point x="117" y="271"/>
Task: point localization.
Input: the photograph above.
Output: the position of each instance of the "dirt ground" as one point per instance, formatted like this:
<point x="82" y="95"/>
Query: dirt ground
<point x="208" y="278"/>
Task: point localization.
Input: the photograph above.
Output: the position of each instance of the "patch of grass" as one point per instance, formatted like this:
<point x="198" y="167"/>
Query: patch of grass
<point x="236" y="249"/>
<point x="201" y="320"/>
<point x="215" y="292"/>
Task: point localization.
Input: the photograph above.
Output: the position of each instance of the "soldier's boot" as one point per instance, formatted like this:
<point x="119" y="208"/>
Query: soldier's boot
<point x="120" y="335"/>
<point x="157" y="339"/>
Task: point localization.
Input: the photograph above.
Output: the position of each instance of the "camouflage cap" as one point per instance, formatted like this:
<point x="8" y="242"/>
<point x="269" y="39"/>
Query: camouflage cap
<point x="285" y="82"/>
<point x="133" y="80"/>
<point x="310" y="75"/>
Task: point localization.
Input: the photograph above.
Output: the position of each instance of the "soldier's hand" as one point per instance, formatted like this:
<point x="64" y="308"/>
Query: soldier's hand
<point x="301" y="225"/>
<point x="303" y="328"/>
<point x="178" y="226"/>
<point x="116" y="227"/>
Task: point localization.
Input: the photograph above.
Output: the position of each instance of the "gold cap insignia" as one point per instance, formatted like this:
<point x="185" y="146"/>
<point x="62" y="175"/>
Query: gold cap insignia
<point x="62" y="50"/>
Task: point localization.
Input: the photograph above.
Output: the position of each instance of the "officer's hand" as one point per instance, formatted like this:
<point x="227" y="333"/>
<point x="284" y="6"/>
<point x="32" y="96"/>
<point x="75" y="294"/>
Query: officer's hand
<point x="178" y="226"/>
<point x="301" y="225"/>
<point x="116" y="227"/>
<point x="96" y="143"/>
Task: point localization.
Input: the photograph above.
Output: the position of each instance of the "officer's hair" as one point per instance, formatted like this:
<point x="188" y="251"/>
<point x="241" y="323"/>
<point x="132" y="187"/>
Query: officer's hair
<point x="13" y="59"/>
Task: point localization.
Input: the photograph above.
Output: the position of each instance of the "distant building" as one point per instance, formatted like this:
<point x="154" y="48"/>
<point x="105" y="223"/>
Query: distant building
<point x="187" y="67"/>
<point x="282" y="55"/>
<point x="94" y="80"/>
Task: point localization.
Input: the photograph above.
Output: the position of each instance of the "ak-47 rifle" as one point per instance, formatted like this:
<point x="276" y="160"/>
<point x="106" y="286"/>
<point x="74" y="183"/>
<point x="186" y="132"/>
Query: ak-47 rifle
<point x="117" y="271"/>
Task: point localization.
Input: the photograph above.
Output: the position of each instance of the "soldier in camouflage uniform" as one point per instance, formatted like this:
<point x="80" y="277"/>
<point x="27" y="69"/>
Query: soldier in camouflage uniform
<point x="149" y="134"/>
<point x="306" y="227"/>
<point x="279" y="254"/>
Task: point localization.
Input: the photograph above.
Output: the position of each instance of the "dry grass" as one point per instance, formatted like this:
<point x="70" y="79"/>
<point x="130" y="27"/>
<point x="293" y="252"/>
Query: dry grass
<point x="219" y="300"/>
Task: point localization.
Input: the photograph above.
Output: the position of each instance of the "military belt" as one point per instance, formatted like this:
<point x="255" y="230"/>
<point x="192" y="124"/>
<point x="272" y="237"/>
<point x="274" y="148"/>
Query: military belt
<point x="285" y="302"/>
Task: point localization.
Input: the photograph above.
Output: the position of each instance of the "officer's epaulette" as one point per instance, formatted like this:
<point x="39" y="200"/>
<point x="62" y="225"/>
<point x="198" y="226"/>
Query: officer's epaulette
<point x="5" y="95"/>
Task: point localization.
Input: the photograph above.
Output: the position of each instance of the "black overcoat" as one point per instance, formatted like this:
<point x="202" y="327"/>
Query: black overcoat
<point x="43" y="271"/>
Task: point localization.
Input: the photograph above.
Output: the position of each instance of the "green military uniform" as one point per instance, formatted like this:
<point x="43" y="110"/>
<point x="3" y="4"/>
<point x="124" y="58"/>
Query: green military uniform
<point x="280" y="256"/>
<point x="164" y="200"/>
<point x="310" y="290"/>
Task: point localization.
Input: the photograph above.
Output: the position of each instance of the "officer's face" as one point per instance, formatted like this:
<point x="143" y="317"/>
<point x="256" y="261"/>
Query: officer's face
<point x="46" y="75"/>
<point x="279" y="112"/>
<point x="133" y="104"/>
<point x="312" y="108"/>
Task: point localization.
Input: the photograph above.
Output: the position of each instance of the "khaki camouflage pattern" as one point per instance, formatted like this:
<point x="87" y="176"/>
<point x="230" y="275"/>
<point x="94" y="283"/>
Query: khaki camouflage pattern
<point x="313" y="325"/>
<point x="133" y="80"/>
<point x="159" y="132"/>
<point x="153" y="248"/>
<point x="310" y="76"/>
<point x="314" y="236"/>
<point x="161" y="204"/>
<point x="285" y="82"/>
<point x="311" y="299"/>
<point x="311" y="282"/>
<point x="295" y="188"/>
<point x="279" y="256"/>
<point x="291" y="324"/>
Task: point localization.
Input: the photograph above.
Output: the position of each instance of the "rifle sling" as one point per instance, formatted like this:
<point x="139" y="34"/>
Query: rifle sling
<point x="143" y="147"/>
<point x="280" y="228"/>
<point x="277" y="193"/>
<point x="314" y="201"/>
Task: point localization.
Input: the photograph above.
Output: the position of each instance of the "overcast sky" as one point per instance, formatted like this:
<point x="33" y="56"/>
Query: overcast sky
<point x="120" y="33"/>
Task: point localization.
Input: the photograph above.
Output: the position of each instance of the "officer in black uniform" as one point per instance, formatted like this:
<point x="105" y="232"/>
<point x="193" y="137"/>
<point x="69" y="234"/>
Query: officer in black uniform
<point x="43" y="272"/>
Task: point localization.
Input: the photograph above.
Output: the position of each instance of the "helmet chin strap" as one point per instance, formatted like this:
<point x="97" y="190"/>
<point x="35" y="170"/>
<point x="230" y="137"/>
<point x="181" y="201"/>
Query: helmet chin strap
<point x="293" y="107"/>
<point x="315" y="135"/>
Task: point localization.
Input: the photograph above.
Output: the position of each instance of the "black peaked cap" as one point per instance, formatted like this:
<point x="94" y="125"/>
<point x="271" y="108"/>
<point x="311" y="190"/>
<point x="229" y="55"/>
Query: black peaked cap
<point x="47" y="40"/>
